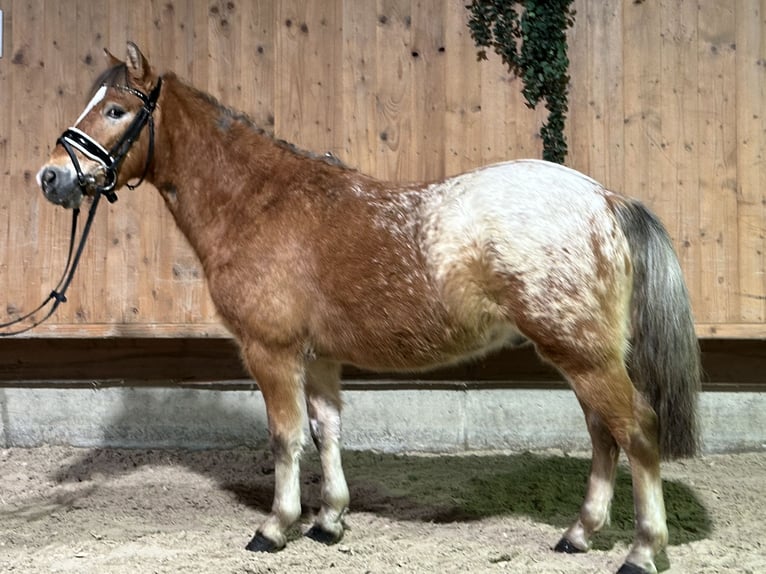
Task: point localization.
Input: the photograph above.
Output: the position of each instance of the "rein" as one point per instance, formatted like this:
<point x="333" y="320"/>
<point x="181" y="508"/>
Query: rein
<point x="58" y="295"/>
<point x="110" y="161"/>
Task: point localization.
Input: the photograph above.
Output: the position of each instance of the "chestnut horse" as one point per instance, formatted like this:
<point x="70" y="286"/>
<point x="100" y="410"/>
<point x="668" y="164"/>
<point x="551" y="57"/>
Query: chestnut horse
<point x="312" y="265"/>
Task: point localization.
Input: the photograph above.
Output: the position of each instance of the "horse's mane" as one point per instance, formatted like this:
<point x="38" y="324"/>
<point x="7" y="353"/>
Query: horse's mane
<point x="117" y="76"/>
<point x="229" y="116"/>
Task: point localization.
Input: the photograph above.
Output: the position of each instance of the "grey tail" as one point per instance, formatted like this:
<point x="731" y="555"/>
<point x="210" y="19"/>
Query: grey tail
<point x="664" y="361"/>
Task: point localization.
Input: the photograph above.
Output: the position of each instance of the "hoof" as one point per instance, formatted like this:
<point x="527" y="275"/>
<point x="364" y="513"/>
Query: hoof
<point x="567" y="547"/>
<point x="260" y="543"/>
<point x="630" y="568"/>
<point x="319" y="534"/>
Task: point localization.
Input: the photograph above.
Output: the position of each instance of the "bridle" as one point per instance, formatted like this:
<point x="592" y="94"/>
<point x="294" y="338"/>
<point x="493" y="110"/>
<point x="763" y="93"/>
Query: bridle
<point x="110" y="161"/>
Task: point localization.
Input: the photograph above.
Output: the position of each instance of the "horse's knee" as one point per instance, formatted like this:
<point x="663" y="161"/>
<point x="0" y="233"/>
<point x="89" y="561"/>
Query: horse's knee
<point x="287" y="448"/>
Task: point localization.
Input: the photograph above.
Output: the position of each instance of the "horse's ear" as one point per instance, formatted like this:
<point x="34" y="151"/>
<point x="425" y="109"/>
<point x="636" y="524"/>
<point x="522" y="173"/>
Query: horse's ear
<point x="138" y="66"/>
<point x="111" y="61"/>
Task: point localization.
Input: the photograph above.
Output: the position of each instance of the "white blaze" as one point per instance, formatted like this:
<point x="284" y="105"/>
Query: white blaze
<point x="97" y="97"/>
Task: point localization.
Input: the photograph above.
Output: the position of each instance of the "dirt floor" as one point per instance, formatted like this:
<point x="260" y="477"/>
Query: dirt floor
<point x="136" y="511"/>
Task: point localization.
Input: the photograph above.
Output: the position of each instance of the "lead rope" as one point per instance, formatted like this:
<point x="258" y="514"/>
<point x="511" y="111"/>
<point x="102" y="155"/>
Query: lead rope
<point x="58" y="295"/>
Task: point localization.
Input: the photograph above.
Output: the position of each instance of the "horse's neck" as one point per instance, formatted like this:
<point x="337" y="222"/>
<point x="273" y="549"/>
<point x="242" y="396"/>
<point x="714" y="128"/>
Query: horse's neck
<point x="202" y="169"/>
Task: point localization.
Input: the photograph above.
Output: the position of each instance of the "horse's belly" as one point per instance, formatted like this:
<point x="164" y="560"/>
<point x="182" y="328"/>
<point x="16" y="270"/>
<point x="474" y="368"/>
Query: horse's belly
<point x="425" y="349"/>
<point x="482" y="343"/>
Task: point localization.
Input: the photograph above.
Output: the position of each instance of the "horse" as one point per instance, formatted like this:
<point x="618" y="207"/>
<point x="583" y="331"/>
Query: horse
<point x="313" y="265"/>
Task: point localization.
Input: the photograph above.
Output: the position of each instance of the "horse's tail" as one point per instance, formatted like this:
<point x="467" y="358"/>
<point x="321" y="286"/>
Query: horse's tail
<point x="664" y="361"/>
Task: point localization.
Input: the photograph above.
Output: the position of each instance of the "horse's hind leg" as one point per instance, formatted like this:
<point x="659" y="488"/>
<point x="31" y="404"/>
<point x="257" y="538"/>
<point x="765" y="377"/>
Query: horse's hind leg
<point x="279" y="374"/>
<point x="594" y="513"/>
<point x="607" y="392"/>
<point x="324" y="406"/>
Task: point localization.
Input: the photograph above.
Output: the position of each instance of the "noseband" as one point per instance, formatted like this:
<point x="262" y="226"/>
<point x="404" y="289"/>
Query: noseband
<point x="110" y="161"/>
<point x="74" y="139"/>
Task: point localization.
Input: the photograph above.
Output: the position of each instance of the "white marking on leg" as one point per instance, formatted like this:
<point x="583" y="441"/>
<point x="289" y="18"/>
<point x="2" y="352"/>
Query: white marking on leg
<point x="326" y="429"/>
<point x="286" y="508"/>
<point x="651" y="526"/>
<point x="287" y="438"/>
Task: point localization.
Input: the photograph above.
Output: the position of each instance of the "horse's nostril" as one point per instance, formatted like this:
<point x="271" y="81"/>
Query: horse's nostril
<point x="49" y="176"/>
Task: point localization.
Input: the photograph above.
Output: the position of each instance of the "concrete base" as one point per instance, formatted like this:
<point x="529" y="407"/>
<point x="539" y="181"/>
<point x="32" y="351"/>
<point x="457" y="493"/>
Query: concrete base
<point x="382" y="420"/>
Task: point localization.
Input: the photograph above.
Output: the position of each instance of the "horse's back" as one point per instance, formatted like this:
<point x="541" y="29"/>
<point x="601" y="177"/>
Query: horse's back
<point x="536" y="202"/>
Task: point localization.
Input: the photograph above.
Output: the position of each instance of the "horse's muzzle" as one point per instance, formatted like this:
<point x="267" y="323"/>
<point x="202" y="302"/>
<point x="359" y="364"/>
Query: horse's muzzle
<point x="60" y="186"/>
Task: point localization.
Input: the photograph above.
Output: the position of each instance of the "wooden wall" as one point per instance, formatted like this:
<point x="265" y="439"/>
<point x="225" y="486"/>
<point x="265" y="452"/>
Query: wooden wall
<point x="667" y="104"/>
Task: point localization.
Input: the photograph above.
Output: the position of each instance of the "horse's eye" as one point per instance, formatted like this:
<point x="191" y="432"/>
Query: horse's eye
<point x="115" y="112"/>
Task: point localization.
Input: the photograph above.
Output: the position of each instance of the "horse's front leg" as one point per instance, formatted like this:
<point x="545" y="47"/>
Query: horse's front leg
<point x="324" y="405"/>
<point x="280" y="376"/>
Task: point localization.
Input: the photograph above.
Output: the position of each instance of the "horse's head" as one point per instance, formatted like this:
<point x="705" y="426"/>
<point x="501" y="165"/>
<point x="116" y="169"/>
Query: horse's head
<point x="107" y="145"/>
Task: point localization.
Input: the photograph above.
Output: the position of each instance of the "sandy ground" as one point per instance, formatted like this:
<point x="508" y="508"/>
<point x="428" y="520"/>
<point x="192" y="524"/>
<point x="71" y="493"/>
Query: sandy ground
<point x="135" y="511"/>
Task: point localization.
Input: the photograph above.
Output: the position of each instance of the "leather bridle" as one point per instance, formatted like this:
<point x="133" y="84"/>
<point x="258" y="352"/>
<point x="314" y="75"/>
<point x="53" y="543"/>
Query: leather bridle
<point x="73" y="139"/>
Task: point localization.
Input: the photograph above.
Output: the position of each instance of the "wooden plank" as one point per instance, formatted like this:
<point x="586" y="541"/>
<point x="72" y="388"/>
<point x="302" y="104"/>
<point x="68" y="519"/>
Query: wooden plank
<point x="26" y="56"/>
<point x="393" y="91"/>
<point x="428" y="63"/>
<point x="308" y="83"/>
<point x="595" y="133"/>
<point x="642" y="101"/>
<point x="224" y="36"/>
<point x="462" y="134"/>
<point x="731" y="330"/>
<point x="8" y="91"/>
<point x="329" y="36"/>
<point x="200" y="64"/>
<point x="680" y="137"/>
<point x="751" y="163"/>
<point x="582" y="41"/>
<point x="258" y="51"/>
<point x="612" y="47"/>
<point x="127" y="330"/>
<point x="60" y="96"/>
<point x="360" y="72"/>
<point x="718" y="276"/>
<point x="729" y="366"/>
<point x="53" y="223"/>
<point x="497" y="118"/>
<point x="174" y="31"/>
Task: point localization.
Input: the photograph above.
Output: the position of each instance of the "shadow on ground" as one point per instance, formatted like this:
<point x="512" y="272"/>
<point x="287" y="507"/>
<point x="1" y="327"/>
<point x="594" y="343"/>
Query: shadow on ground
<point x="444" y="488"/>
<point x="544" y="488"/>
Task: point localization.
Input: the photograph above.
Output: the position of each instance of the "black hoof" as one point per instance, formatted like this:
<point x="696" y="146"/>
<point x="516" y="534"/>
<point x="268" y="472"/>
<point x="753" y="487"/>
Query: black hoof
<point x="630" y="568"/>
<point x="260" y="543"/>
<point x="567" y="547"/>
<point x="319" y="534"/>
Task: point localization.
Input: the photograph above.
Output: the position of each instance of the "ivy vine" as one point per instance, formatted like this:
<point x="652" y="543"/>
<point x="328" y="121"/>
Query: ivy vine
<point x="530" y="37"/>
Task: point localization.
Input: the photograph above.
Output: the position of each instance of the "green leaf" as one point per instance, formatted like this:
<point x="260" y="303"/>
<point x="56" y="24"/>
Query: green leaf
<point x="530" y="37"/>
